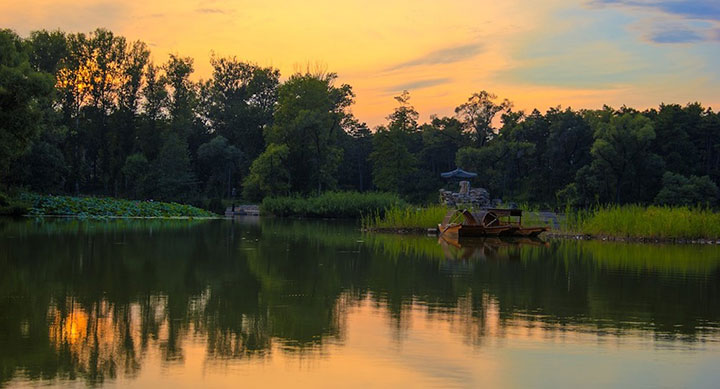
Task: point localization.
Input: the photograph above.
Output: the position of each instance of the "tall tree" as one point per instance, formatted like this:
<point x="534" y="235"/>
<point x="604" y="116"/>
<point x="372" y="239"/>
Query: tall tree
<point x="355" y="171"/>
<point x="182" y="97"/>
<point x="239" y="103"/>
<point x="155" y="111"/>
<point x="392" y="158"/>
<point x="308" y="116"/>
<point x="218" y="162"/>
<point x="477" y="115"/>
<point x="21" y="89"/>
<point x="622" y="159"/>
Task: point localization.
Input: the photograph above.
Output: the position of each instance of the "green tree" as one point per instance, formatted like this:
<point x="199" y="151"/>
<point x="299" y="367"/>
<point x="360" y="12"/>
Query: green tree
<point x="42" y="169"/>
<point x="21" y="92"/>
<point x="47" y="50"/>
<point x="355" y="172"/>
<point x="269" y="174"/>
<point x="623" y="164"/>
<point x="500" y="166"/>
<point x="680" y="190"/>
<point x="239" y="103"/>
<point x="135" y="171"/>
<point x="218" y="162"/>
<point x="308" y="119"/>
<point x="477" y="115"/>
<point x="154" y="112"/>
<point x="393" y="160"/>
<point x="171" y="172"/>
<point x="183" y="94"/>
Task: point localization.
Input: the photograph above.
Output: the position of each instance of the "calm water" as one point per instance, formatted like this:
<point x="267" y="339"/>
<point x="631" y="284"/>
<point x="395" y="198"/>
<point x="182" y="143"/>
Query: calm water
<point x="190" y="304"/>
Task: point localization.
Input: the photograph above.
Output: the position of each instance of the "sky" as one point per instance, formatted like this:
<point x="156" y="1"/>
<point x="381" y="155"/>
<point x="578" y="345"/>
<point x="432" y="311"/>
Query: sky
<point x="538" y="54"/>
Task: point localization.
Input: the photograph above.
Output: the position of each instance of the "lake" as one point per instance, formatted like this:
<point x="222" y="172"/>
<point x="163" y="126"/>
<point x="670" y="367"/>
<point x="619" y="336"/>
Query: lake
<point x="272" y="302"/>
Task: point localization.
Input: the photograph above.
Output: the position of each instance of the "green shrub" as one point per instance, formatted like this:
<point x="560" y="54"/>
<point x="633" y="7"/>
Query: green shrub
<point x="12" y="207"/>
<point x="215" y="205"/>
<point x="331" y="204"/>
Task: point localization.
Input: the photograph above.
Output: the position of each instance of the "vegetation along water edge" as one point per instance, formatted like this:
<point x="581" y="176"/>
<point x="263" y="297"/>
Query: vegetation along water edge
<point x="93" y="207"/>
<point x="680" y="224"/>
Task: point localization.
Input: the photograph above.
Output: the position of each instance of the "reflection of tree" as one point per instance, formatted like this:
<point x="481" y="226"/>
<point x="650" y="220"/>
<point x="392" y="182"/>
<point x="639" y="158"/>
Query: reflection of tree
<point x="80" y="301"/>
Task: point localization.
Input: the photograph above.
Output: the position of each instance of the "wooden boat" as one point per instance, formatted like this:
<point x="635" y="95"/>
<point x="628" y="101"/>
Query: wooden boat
<point x="487" y="222"/>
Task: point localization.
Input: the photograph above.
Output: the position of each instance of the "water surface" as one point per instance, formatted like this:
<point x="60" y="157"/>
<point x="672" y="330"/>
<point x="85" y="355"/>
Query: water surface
<point x="258" y="302"/>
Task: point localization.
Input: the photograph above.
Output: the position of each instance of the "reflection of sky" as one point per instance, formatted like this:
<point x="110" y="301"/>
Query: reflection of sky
<point x="574" y="53"/>
<point x="446" y="349"/>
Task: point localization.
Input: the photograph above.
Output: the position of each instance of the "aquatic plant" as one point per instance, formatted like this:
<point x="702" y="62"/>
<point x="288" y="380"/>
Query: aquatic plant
<point x="43" y="205"/>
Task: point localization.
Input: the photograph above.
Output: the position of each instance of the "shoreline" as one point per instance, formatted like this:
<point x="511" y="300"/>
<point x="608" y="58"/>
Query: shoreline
<point x="97" y="217"/>
<point x="563" y="235"/>
<point x="629" y="239"/>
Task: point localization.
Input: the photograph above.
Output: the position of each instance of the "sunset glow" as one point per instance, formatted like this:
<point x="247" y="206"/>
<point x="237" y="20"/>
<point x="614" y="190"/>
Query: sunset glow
<point x="579" y="54"/>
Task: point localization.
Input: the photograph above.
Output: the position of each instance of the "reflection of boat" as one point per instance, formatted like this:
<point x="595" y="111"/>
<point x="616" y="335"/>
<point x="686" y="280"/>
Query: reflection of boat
<point x="484" y="248"/>
<point x="486" y="222"/>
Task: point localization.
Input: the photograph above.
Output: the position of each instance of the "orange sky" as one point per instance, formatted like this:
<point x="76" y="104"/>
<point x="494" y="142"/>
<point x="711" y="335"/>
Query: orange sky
<point x="555" y="52"/>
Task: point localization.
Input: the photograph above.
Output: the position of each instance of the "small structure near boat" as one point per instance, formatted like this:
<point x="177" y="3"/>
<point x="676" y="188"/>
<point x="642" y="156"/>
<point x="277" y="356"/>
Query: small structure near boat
<point x="486" y="222"/>
<point x="483" y="222"/>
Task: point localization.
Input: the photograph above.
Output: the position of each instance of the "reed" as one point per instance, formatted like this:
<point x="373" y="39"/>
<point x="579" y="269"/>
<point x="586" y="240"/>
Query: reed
<point x="663" y="222"/>
<point x="405" y="217"/>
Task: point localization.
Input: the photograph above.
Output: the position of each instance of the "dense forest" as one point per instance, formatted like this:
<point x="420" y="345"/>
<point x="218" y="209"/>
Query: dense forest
<point x="92" y="114"/>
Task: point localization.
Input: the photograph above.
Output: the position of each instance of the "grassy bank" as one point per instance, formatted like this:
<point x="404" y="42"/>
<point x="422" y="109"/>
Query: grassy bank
<point x="331" y="204"/>
<point x="42" y="205"/>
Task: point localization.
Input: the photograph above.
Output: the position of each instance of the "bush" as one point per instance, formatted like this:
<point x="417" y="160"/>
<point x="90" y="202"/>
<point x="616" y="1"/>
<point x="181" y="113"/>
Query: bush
<point x="331" y="204"/>
<point x="11" y="207"/>
<point x="216" y="205"/>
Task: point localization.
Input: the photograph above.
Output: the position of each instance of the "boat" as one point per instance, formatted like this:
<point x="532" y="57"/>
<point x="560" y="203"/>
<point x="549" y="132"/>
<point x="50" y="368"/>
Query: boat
<point x="486" y="222"/>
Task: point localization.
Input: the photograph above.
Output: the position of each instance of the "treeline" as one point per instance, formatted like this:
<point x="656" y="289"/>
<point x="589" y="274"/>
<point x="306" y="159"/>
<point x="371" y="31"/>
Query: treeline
<point x="92" y="114"/>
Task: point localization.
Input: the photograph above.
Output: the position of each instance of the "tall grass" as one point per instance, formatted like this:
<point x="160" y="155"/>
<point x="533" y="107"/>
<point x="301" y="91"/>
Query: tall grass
<point x="331" y="204"/>
<point x="406" y="217"/>
<point x="651" y="222"/>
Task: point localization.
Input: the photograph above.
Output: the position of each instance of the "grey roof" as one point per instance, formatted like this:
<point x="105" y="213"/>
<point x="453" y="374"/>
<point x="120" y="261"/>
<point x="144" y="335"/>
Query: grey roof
<point x="458" y="173"/>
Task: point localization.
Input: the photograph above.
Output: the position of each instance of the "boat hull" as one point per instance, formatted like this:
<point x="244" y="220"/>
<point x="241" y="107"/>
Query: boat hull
<point x="468" y="231"/>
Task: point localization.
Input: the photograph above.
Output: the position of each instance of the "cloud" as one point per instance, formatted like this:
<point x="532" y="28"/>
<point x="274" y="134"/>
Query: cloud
<point x="210" y="11"/>
<point x="675" y="21"/>
<point x="420" y="84"/>
<point x="443" y="56"/>
<point x="676" y="36"/>
<point x="693" y="9"/>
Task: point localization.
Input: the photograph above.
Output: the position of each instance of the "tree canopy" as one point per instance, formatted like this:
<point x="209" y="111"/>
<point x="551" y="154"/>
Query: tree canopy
<point x="90" y="113"/>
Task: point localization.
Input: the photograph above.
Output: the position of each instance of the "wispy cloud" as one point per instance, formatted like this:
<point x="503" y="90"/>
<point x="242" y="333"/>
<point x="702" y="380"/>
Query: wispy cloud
<point x="210" y="11"/>
<point x="694" y="9"/>
<point x="672" y="21"/>
<point x="676" y="36"/>
<point x="443" y="56"/>
<point x="420" y="84"/>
